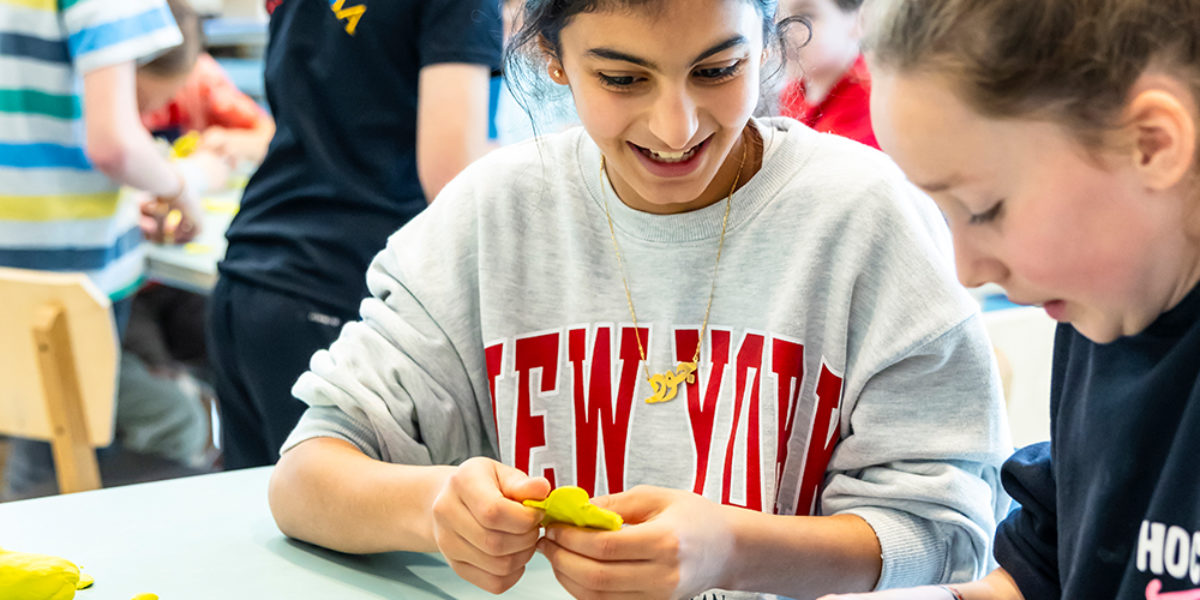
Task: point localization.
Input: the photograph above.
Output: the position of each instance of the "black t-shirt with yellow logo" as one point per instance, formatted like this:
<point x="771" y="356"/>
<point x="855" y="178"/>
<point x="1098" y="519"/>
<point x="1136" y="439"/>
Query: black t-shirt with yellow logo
<point x="340" y="175"/>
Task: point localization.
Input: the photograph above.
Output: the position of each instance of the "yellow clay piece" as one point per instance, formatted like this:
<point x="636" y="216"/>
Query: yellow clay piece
<point x="85" y="581"/>
<point x="197" y="248"/>
<point x="570" y="504"/>
<point x="146" y="597"/>
<point x="185" y="145"/>
<point x="36" y="577"/>
<point x="221" y="206"/>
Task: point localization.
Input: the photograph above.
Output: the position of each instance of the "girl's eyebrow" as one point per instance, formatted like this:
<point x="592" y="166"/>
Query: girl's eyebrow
<point x="941" y="185"/>
<point x="610" y="54"/>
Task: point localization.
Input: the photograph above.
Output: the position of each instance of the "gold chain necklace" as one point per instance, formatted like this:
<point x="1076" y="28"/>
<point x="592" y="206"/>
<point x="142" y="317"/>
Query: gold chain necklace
<point x="666" y="385"/>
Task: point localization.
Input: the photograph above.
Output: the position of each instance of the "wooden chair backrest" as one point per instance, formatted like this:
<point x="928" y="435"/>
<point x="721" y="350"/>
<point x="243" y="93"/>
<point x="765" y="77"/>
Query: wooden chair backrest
<point x="74" y="322"/>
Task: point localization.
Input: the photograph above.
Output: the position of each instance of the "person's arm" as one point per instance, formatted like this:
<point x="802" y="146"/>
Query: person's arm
<point x="452" y="113"/>
<point x="327" y="492"/>
<point x="117" y="143"/>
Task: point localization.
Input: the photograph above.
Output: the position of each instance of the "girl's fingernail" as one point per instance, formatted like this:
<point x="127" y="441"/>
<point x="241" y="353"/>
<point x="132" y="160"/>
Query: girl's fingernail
<point x="552" y="534"/>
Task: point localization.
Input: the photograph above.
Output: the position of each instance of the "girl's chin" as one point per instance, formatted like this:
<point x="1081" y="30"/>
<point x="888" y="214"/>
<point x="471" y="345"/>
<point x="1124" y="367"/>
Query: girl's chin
<point x="666" y="195"/>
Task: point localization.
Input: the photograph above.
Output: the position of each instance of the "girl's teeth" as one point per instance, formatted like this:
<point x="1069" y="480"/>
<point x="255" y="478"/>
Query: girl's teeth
<point x="672" y="156"/>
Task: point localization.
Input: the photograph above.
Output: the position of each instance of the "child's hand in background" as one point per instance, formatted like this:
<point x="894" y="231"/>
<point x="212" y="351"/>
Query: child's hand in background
<point x="206" y="172"/>
<point x="169" y="220"/>
<point x="481" y="527"/>
<point x="248" y="145"/>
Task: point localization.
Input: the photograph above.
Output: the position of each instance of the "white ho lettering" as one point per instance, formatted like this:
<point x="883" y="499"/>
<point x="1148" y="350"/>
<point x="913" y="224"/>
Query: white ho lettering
<point x="1171" y="550"/>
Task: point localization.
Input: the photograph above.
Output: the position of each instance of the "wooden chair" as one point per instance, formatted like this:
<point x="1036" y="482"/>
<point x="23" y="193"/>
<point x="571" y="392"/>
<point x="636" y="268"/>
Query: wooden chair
<point x="58" y="369"/>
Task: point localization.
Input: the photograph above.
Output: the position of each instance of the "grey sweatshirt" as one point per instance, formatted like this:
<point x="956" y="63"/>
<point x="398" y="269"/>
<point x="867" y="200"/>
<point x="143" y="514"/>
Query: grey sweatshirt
<point x="844" y="369"/>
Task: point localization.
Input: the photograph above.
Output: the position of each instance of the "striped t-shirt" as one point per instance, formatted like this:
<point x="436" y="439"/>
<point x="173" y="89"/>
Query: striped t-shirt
<point x="57" y="212"/>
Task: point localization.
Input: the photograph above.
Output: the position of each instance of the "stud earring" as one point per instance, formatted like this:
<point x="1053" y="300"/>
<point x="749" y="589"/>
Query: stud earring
<point x="557" y="73"/>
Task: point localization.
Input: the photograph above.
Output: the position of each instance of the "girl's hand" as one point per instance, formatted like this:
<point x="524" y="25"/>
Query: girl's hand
<point x="481" y="527"/>
<point x="675" y="545"/>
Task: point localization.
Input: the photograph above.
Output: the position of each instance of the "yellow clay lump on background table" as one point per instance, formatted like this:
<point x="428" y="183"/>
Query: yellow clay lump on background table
<point x="570" y="504"/>
<point x="185" y="145"/>
<point x="26" y="576"/>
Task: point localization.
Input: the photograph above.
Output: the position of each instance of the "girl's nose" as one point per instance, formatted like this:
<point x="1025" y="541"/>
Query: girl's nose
<point x="673" y="119"/>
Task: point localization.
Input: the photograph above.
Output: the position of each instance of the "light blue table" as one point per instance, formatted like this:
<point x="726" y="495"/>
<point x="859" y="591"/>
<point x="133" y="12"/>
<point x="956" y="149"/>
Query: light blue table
<point x="212" y="538"/>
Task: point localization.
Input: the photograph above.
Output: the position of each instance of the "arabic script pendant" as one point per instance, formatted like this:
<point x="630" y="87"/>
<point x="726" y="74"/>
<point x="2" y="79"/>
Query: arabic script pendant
<point x="666" y="385"/>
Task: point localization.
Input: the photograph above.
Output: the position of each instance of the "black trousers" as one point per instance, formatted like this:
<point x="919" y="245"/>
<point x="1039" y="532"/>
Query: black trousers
<point x="259" y="342"/>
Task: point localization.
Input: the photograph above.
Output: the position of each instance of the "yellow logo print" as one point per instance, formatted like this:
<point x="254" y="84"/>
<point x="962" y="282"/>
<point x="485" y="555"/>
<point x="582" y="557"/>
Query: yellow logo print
<point x="350" y="15"/>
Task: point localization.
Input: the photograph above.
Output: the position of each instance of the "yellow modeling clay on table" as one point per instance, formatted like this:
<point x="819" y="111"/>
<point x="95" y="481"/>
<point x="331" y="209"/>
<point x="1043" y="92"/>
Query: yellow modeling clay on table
<point x="221" y="206"/>
<point x="26" y="576"/>
<point x="197" y="248"/>
<point x="185" y="145"/>
<point x="570" y="504"/>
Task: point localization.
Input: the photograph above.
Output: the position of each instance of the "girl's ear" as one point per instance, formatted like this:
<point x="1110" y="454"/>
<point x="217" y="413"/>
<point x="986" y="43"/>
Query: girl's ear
<point x="553" y="64"/>
<point x="557" y="74"/>
<point x="1162" y="125"/>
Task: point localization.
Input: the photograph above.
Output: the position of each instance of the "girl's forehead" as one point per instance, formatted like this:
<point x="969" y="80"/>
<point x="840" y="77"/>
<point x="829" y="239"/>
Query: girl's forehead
<point x="669" y="30"/>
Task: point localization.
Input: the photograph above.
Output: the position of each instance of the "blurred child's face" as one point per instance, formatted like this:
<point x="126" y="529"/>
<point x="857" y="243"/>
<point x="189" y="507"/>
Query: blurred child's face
<point x="1031" y="210"/>
<point x="666" y="95"/>
<point x="834" y="45"/>
<point x="155" y="91"/>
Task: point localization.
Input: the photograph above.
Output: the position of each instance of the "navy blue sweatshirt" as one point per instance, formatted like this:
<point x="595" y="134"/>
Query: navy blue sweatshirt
<point x="1111" y="506"/>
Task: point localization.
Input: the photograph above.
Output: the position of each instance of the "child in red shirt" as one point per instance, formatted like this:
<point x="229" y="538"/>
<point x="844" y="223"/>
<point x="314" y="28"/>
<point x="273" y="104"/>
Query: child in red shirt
<point x="831" y="90"/>
<point x="230" y="122"/>
<point x="190" y="92"/>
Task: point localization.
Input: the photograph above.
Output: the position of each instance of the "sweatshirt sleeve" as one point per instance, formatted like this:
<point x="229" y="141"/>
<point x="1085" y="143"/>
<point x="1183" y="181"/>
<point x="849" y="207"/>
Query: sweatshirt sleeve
<point x="920" y="462"/>
<point x="398" y="382"/>
<point x="1027" y="541"/>
<point x="923" y="425"/>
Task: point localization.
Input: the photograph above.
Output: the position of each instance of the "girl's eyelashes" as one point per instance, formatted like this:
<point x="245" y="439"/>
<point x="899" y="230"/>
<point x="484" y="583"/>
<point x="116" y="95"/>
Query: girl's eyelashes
<point x="618" y="82"/>
<point x="719" y="74"/>
<point x="987" y="216"/>
<point x="707" y="75"/>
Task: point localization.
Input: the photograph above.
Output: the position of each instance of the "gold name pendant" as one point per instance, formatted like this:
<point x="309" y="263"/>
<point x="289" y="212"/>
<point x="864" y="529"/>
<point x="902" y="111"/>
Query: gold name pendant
<point x="666" y="385"/>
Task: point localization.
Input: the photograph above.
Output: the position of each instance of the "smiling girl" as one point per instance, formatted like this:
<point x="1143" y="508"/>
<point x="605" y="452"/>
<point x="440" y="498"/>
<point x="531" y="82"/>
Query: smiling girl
<point x="743" y="335"/>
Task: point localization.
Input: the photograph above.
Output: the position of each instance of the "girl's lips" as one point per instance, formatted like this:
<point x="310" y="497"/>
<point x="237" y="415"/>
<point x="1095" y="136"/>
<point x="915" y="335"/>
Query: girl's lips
<point x="682" y="168"/>
<point x="1056" y="309"/>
